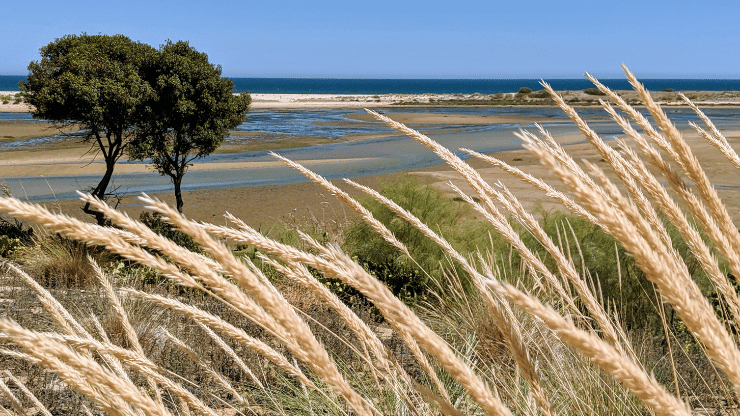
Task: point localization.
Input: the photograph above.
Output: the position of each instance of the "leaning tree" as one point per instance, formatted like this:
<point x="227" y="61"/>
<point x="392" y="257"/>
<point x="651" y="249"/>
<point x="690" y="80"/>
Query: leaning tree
<point x="94" y="81"/>
<point x="189" y="115"/>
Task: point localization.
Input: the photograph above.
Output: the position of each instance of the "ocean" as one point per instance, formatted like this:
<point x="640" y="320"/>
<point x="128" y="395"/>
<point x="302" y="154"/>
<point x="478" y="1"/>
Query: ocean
<point x="436" y="86"/>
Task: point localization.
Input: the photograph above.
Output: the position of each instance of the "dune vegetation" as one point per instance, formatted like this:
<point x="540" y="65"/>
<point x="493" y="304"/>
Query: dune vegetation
<point x="626" y="305"/>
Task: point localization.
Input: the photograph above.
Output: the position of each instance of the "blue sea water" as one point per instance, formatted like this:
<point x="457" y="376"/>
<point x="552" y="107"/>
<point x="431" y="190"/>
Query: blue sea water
<point x="436" y="86"/>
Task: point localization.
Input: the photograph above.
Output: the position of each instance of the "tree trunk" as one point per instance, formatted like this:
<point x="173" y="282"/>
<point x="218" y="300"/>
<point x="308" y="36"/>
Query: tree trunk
<point x="99" y="191"/>
<point x="177" y="180"/>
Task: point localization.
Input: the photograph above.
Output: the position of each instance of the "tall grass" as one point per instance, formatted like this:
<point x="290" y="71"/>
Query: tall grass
<point x="498" y="334"/>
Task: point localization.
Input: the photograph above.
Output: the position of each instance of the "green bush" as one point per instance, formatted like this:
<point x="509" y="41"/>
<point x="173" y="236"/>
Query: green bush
<point x="450" y="218"/>
<point x="593" y="91"/>
<point x="13" y="235"/>
<point x="540" y="94"/>
<point x="155" y="222"/>
<point x="524" y="90"/>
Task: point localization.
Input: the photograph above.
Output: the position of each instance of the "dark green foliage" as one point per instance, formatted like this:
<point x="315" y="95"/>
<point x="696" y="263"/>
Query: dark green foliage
<point x="13" y="235"/>
<point x="450" y="218"/>
<point x="96" y="82"/>
<point x="171" y="104"/>
<point x="189" y="114"/>
<point x="155" y="223"/>
<point x="593" y="91"/>
<point x="524" y="90"/>
<point x="540" y="94"/>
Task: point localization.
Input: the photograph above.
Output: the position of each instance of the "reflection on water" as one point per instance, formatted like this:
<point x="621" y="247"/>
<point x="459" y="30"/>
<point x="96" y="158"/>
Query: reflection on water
<point x="387" y="154"/>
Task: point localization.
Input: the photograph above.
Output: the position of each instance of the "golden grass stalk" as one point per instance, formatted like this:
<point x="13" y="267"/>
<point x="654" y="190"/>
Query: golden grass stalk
<point x="304" y="346"/>
<point x="114" y="394"/>
<point x="344" y="197"/>
<point x="140" y="363"/>
<point x="401" y="316"/>
<point x="128" y="329"/>
<point x="655" y="259"/>
<point x="14" y="402"/>
<point x="615" y="160"/>
<point x="669" y="207"/>
<point x="508" y="326"/>
<point x="488" y="209"/>
<point x="299" y="273"/>
<point x="645" y="387"/>
<point x="689" y="163"/>
<point x="231" y="353"/>
<point x="224" y="327"/>
<point x="220" y="379"/>
<point x="712" y="134"/>
<point x="537" y="182"/>
<point x="204" y="269"/>
<point x="39" y="406"/>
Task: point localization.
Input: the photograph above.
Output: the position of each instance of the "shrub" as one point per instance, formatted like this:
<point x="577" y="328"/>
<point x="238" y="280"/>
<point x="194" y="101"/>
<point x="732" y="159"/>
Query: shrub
<point x="593" y="91"/>
<point x="155" y="223"/>
<point x="452" y="218"/>
<point x="540" y="94"/>
<point x="524" y="90"/>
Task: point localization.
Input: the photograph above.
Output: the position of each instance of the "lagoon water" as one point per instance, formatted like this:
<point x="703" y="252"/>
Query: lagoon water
<point x="393" y="153"/>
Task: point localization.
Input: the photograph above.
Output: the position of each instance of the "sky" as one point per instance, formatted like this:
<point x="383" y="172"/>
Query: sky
<point x="403" y="39"/>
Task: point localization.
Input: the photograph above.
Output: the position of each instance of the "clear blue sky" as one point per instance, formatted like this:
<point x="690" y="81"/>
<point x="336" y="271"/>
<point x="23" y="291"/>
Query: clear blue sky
<point x="404" y="39"/>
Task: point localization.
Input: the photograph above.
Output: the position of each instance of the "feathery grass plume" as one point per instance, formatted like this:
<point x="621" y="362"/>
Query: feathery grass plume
<point x="231" y="353"/>
<point x="299" y="273"/>
<point x="400" y="315"/>
<point x="488" y="209"/>
<point x="14" y="402"/>
<point x="687" y="231"/>
<point x="138" y="361"/>
<point x="289" y="254"/>
<point x="220" y="379"/>
<point x="390" y="368"/>
<point x="224" y="327"/>
<point x="567" y="269"/>
<point x="344" y="197"/>
<point x="140" y="234"/>
<point x="113" y="240"/>
<point x="689" y="163"/>
<point x="304" y="345"/>
<point x="712" y="134"/>
<point x="669" y="207"/>
<point x="205" y="269"/>
<point x="614" y="159"/>
<point x="391" y="307"/>
<point x="645" y="387"/>
<point x="39" y="406"/>
<point x="655" y="259"/>
<point x="674" y="213"/>
<point x="131" y="336"/>
<point x="114" y="394"/>
<point x="505" y="322"/>
<point x="539" y="183"/>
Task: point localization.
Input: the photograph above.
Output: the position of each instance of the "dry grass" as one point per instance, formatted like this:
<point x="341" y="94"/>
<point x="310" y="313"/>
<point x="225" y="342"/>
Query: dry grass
<point x="535" y="340"/>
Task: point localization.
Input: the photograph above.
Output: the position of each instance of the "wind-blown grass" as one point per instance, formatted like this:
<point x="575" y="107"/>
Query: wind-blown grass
<point x="538" y="339"/>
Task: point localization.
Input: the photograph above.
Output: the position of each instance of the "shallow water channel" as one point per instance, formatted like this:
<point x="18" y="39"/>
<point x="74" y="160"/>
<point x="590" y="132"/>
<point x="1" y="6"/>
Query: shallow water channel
<point x="343" y="158"/>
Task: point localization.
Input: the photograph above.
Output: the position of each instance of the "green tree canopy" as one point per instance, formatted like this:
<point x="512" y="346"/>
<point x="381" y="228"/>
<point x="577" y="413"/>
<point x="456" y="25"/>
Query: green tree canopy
<point x="94" y="81"/>
<point x="189" y="114"/>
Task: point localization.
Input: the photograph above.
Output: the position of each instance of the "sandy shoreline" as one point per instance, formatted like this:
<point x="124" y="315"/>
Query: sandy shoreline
<point x="308" y="101"/>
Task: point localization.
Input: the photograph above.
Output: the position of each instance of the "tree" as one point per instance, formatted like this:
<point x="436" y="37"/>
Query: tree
<point x="190" y="113"/>
<point x="96" y="82"/>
